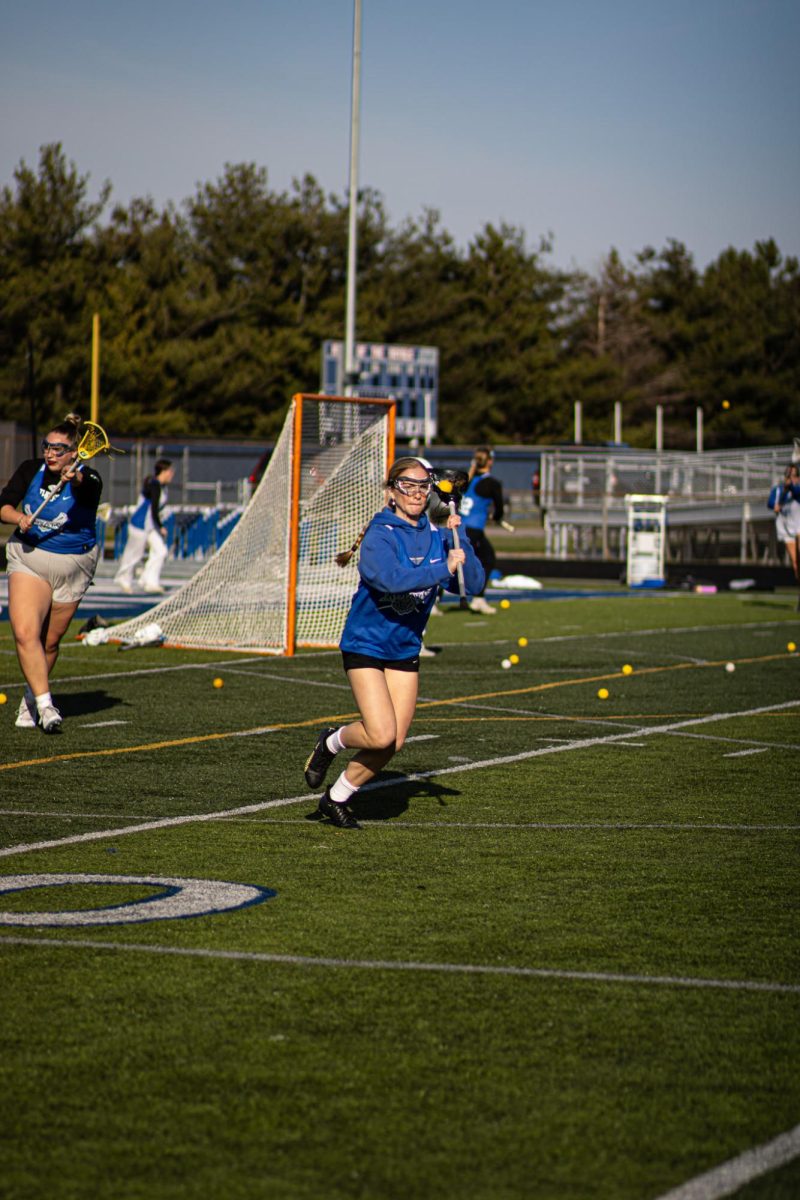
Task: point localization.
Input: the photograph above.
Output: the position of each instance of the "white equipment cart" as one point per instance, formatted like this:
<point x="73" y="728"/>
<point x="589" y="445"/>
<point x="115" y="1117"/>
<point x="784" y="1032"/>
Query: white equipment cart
<point x="647" y="540"/>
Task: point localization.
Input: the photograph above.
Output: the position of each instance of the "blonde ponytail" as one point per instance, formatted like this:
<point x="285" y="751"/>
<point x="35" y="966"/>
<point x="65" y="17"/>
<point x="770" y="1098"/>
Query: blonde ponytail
<point x="344" y="558"/>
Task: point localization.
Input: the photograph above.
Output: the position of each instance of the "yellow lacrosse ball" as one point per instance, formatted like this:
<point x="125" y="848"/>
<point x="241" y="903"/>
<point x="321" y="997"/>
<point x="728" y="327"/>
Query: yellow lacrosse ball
<point x="523" y="641"/>
<point x="726" y="403"/>
<point x="602" y="694"/>
<point x="505" y="604"/>
<point x="3" y="698"/>
<point x="218" y="683"/>
<point x="513" y="659"/>
<point x="790" y="646"/>
<point x="627" y="669"/>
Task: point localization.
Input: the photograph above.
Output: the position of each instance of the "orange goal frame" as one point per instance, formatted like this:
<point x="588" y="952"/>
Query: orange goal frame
<point x="294" y="512"/>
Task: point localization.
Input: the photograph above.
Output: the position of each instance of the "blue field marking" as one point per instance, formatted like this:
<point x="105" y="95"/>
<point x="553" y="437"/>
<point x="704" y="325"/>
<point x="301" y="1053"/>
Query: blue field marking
<point x="178" y="899"/>
<point x="499" y="593"/>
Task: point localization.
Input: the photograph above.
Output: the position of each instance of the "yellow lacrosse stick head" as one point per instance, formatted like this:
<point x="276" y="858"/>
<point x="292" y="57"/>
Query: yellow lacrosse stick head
<point x="93" y="441"/>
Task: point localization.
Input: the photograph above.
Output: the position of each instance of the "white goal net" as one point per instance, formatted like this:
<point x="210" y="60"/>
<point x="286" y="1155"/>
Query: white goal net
<point x="274" y="584"/>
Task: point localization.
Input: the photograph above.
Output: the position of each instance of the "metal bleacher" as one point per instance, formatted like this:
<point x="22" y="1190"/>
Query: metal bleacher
<point x="717" y="501"/>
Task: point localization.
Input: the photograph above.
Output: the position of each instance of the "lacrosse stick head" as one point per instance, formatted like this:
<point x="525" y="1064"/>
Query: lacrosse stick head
<point x="450" y="484"/>
<point x="93" y="441"/>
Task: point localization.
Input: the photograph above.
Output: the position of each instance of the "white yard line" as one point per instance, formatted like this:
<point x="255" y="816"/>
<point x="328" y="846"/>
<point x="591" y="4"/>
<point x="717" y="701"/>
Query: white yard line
<point x="317" y="683"/>
<point x="305" y="798"/>
<point x="539" y="826"/>
<point x="66" y="814"/>
<point x="634" y="633"/>
<point x="711" y="737"/>
<point x="667" y="826"/>
<point x="727" y="1178"/>
<point x="742" y="753"/>
<point x="533" y="712"/>
<point x="232" y="663"/>
<point x="122" y="675"/>
<point x="302" y="960"/>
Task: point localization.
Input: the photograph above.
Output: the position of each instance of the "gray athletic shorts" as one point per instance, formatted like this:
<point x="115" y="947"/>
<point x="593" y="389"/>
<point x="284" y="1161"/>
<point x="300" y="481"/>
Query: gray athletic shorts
<point x="69" y="575"/>
<point x="787" y="525"/>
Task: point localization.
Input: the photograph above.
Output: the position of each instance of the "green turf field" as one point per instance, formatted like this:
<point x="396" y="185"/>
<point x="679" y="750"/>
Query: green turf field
<point x="559" y="961"/>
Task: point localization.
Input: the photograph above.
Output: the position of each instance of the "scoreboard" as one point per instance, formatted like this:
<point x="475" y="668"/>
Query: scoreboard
<point x="407" y="374"/>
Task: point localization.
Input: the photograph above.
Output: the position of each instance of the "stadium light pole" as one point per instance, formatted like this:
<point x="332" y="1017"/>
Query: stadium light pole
<point x="95" y="394"/>
<point x="350" y="372"/>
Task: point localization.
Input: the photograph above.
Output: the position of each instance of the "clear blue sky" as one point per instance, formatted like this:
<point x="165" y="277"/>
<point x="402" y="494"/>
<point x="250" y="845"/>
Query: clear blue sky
<point x="604" y="122"/>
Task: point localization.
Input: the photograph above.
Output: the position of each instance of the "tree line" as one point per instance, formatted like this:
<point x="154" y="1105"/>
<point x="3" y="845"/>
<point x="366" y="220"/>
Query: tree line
<point x="213" y="315"/>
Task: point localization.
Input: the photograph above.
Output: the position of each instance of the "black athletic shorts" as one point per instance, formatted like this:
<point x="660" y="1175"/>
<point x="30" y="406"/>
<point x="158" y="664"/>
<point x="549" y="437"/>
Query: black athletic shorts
<point x="351" y="661"/>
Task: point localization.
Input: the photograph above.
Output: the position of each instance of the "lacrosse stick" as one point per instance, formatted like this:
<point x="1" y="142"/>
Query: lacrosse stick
<point x="449" y="486"/>
<point x="343" y="559"/>
<point x="93" y="441"/>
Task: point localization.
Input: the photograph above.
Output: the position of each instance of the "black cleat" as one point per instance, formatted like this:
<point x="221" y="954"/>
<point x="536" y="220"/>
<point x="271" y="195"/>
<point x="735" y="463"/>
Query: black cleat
<point x="319" y="760"/>
<point x="338" y="814"/>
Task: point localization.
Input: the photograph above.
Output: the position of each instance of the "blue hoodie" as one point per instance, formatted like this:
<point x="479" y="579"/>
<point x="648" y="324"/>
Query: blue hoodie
<point x="402" y="566"/>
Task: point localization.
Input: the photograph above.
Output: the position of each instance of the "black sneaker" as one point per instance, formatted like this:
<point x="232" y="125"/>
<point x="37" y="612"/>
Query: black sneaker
<point x="338" y="814"/>
<point x="319" y="760"/>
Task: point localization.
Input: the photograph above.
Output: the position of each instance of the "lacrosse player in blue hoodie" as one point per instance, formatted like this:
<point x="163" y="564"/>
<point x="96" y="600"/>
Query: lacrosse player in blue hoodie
<point x="404" y="560"/>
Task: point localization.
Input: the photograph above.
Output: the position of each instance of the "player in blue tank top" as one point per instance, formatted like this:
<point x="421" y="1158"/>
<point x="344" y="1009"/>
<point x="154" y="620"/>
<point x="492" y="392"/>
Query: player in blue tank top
<point x="147" y="533"/>
<point x="482" y="500"/>
<point x="404" y="561"/>
<point x="52" y="558"/>
<point x="784" y="501"/>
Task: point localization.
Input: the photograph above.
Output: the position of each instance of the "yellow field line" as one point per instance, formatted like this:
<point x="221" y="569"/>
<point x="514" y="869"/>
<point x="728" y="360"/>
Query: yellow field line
<point x="188" y="741"/>
<point x="350" y="716"/>
<point x="544" y="687"/>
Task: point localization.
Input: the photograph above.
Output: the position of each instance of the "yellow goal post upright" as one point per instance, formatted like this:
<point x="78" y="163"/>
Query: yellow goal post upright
<point x="274" y="585"/>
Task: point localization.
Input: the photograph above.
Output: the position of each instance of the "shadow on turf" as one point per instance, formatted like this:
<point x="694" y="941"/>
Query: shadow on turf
<point x="86" y="704"/>
<point x="392" y="800"/>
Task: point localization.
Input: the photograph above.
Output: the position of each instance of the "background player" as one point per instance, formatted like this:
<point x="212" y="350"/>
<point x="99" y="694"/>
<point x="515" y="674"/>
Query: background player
<point x="784" y="500"/>
<point x="146" y="532"/>
<point x="482" y="499"/>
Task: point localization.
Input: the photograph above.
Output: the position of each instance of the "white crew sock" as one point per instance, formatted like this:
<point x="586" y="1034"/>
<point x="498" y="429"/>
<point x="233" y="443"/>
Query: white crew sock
<point x="43" y="701"/>
<point x="334" y="741"/>
<point x="342" y="790"/>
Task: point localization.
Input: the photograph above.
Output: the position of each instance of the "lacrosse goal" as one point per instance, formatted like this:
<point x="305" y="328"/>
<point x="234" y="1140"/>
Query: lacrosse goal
<point x="274" y="584"/>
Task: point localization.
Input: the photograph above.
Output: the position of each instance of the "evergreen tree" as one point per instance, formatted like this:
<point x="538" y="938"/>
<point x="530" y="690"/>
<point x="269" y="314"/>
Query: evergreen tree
<point x="48" y="267"/>
<point x="213" y="315"/>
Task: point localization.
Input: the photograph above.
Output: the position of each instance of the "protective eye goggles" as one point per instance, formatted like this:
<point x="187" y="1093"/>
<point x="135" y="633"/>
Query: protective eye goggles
<point x="412" y="487"/>
<point x="58" y="448"/>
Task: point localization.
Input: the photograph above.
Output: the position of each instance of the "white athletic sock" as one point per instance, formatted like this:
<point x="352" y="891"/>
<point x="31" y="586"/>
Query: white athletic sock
<point x="342" y="790"/>
<point x="43" y="701"/>
<point x="334" y="741"/>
